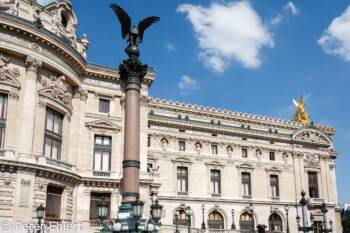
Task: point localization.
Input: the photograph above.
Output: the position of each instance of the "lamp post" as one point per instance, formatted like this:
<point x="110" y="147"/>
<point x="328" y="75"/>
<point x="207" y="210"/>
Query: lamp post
<point x="40" y="214"/>
<point x="156" y="210"/>
<point x="137" y="211"/>
<point x="203" y="223"/>
<point x="176" y="221"/>
<point x="188" y="213"/>
<point x="272" y="226"/>
<point x="251" y="209"/>
<point x="102" y="209"/>
<point x="325" y="225"/>
<point x="233" y="226"/>
<point x="286" y="208"/>
<point x="305" y="228"/>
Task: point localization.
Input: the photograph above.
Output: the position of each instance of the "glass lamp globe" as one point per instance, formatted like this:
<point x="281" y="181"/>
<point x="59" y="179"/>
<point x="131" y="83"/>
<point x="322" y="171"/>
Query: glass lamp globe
<point x="102" y="209"/>
<point x="271" y="209"/>
<point x="156" y="209"/>
<point x="188" y="211"/>
<point x="117" y="226"/>
<point x="203" y="207"/>
<point x="40" y="211"/>
<point x="177" y="213"/>
<point x="137" y="208"/>
<point x="251" y="207"/>
<point x="150" y="227"/>
<point x="286" y="208"/>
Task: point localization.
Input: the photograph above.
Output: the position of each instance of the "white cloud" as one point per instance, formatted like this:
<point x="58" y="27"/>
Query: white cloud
<point x="336" y="38"/>
<point x="170" y="46"/>
<point x="277" y="20"/>
<point x="290" y="6"/>
<point x="187" y="84"/>
<point x="227" y="32"/>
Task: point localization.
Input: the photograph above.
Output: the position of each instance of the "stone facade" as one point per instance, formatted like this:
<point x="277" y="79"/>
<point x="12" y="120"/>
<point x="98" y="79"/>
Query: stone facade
<point x="43" y="67"/>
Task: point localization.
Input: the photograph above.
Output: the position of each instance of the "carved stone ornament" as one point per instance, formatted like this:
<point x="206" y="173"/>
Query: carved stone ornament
<point x="103" y="126"/>
<point x="312" y="161"/>
<point x="198" y="147"/>
<point x="285" y="157"/>
<point x="311" y="136"/>
<point x="64" y="25"/>
<point x="82" y="94"/>
<point x="8" y="76"/>
<point x="258" y="154"/>
<point x="56" y="88"/>
<point x="229" y="150"/>
<point x="35" y="47"/>
<point x="9" y="6"/>
<point x="164" y="143"/>
<point x="33" y="64"/>
<point x="14" y="95"/>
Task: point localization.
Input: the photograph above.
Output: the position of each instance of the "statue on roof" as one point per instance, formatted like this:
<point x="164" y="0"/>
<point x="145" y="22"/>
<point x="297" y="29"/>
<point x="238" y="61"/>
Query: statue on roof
<point x="133" y="36"/>
<point x="301" y="115"/>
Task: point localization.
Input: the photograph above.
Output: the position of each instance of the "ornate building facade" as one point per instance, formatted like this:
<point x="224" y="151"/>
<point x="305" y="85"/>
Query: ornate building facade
<point x="61" y="140"/>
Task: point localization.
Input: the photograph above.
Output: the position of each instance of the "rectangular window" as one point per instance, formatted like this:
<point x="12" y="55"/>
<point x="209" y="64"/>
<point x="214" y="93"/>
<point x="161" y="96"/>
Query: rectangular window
<point x="246" y="187"/>
<point x="149" y="167"/>
<point x="244" y="153"/>
<point x="53" y="202"/>
<point x="102" y="153"/>
<point x="272" y="155"/>
<point x="104" y="106"/>
<point x="274" y="186"/>
<point x="53" y="134"/>
<point x="313" y="185"/>
<point x="182" y="179"/>
<point x="95" y="199"/>
<point x="3" y="114"/>
<point x="215" y="181"/>
<point x="214" y="149"/>
<point x="181" y="145"/>
<point x="148" y="141"/>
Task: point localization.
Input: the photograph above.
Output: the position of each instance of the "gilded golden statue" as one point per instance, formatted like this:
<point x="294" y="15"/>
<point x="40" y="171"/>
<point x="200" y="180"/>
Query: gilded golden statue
<point x="301" y="115"/>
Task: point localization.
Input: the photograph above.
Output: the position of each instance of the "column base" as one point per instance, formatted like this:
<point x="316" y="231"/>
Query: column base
<point x="127" y="220"/>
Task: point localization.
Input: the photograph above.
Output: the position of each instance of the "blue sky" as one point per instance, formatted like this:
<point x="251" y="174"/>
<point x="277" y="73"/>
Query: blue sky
<point x="248" y="56"/>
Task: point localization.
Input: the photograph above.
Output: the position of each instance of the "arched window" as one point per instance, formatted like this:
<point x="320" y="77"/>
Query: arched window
<point x="245" y="222"/>
<point x="215" y="220"/>
<point x="276" y="221"/>
<point x="182" y="218"/>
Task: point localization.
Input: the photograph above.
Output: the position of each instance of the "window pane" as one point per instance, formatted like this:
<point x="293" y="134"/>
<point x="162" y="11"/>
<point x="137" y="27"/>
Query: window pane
<point x="100" y="109"/>
<point x="184" y="188"/>
<point x="212" y="186"/>
<point x="54" y="150"/>
<point x="97" y="165"/>
<point x="2" y="137"/>
<point x="56" y="128"/>
<point x="47" y="149"/>
<point x="49" y="119"/>
<point x="4" y="109"/>
<point x="106" y="140"/>
<point x="106" y="106"/>
<point x="98" y="140"/>
<point x="216" y="187"/>
<point x="48" y="207"/>
<point x="54" y="206"/>
<point x="105" y="164"/>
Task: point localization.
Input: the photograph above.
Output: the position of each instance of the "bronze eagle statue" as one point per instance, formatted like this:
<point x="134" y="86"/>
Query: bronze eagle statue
<point x="133" y="36"/>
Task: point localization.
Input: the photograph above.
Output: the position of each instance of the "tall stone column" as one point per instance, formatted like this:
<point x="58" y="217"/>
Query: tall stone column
<point x="131" y="72"/>
<point x="27" y="123"/>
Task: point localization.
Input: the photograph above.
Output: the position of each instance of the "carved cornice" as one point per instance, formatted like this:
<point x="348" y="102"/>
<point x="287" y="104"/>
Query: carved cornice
<point x="215" y="164"/>
<point x="182" y="161"/>
<point x="56" y="88"/>
<point x="32" y="63"/>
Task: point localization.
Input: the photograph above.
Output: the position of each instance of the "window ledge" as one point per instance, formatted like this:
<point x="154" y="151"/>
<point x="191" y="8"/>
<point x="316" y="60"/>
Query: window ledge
<point x="275" y="198"/>
<point x="216" y="195"/>
<point x="182" y="193"/>
<point x="247" y="197"/>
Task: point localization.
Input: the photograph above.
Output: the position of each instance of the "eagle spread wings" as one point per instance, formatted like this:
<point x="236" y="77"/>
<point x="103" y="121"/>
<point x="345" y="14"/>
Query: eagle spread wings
<point x="135" y="35"/>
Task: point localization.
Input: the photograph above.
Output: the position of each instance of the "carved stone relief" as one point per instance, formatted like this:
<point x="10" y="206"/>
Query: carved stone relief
<point x="312" y="161"/>
<point x="56" y="88"/>
<point x="198" y="147"/>
<point x="164" y="143"/>
<point x="9" y="6"/>
<point x="8" y="76"/>
<point x="310" y="136"/>
<point x="229" y="150"/>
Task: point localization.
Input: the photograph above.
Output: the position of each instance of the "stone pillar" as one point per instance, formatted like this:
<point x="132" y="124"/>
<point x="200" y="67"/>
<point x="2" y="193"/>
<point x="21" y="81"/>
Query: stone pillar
<point x="30" y="93"/>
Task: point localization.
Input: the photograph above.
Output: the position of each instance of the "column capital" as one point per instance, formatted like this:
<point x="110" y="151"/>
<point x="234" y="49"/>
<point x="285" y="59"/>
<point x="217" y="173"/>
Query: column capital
<point x="32" y="63"/>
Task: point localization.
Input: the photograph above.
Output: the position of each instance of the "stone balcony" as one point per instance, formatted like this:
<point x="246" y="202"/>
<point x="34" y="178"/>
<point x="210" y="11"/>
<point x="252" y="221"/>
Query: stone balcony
<point x="56" y="163"/>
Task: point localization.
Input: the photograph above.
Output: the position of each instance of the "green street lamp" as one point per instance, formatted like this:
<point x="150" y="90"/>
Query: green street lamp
<point x="233" y="226"/>
<point x="272" y="226"/>
<point x="203" y="223"/>
<point x="102" y="210"/>
<point x="137" y="211"/>
<point x="156" y="210"/>
<point x="251" y="209"/>
<point x="176" y="221"/>
<point x="40" y="214"/>
<point x="286" y="208"/>
<point x="188" y="213"/>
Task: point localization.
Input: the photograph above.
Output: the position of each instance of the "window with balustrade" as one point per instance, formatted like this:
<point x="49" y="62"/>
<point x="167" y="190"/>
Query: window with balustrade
<point x="182" y="180"/>
<point x="53" y="202"/>
<point x="245" y="222"/>
<point x="276" y="221"/>
<point x="3" y="114"/>
<point x="274" y="187"/>
<point x="215" y="221"/>
<point x="215" y="178"/>
<point x="246" y="185"/>
<point x="313" y="184"/>
<point x="53" y="134"/>
<point x="102" y="153"/>
<point x="182" y="218"/>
